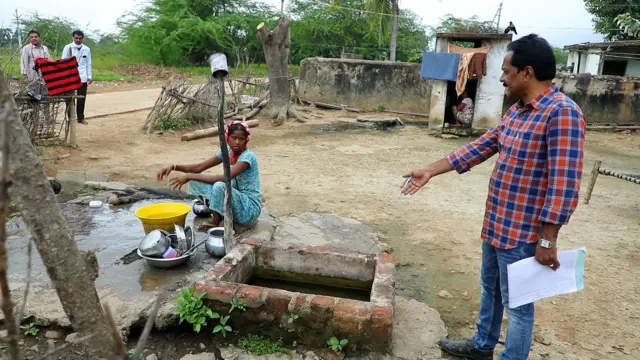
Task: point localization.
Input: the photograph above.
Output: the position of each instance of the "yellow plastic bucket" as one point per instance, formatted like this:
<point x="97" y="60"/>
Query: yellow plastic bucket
<point x="162" y="216"/>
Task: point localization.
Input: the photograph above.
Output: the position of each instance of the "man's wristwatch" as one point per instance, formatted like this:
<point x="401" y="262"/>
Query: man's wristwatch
<point x="546" y="243"/>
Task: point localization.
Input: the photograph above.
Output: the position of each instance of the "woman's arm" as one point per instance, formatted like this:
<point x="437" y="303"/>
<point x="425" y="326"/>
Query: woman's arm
<point x="200" y="167"/>
<point x="461" y="106"/>
<point x="236" y="170"/>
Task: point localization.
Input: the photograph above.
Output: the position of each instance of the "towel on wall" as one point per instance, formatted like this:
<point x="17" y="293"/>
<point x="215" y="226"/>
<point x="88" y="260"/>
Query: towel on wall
<point x="59" y="76"/>
<point x="440" y="66"/>
<point x="478" y="66"/>
<point x="466" y="54"/>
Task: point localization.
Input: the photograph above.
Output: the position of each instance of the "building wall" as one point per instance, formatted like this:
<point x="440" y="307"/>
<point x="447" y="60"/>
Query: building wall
<point x="572" y="58"/>
<point x="593" y="62"/>
<point x="633" y="68"/>
<point x="603" y="99"/>
<point x="365" y="84"/>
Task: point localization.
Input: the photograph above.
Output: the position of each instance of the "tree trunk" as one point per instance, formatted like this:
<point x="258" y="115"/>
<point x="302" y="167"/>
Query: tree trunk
<point x="394" y="31"/>
<point x="70" y="272"/>
<point x="276" y="46"/>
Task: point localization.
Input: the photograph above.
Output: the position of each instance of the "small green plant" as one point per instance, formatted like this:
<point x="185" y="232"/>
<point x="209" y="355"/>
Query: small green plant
<point x="294" y="344"/>
<point x="236" y="304"/>
<point x="133" y="351"/>
<point x="381" y="108"/>
<point x="336" y="345"/>
<point x="223" y="327"/>
<point x="30" y="329"/>
<point x="293" y="318"/>
<point x="173" y="123"/>
<point x="192" y="309"/>
<point x="257" y="345"/>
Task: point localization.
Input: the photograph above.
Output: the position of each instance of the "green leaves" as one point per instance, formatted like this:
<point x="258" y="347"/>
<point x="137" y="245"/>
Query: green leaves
<point x="629" y="25"/>
<point x="614" y="18"/>
<point x="293" y="318"/>
<point x="223" y="327"/>
<point x="336" y="345"/>
<point x="192" y="309"/>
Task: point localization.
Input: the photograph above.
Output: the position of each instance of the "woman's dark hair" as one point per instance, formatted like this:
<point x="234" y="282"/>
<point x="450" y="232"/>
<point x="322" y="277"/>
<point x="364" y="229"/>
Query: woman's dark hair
<point x="33" y="32"/>
<point x="78" y="32"/>
<point x="534" y="51"/>
<point x="236" y="127"/>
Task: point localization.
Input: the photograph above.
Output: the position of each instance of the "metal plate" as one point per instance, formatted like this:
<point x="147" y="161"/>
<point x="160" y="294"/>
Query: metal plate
<point x="165" y="263"/>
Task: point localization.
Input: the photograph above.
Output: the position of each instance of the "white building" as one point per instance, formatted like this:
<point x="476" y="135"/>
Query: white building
<point x="487" y="92"/>
<point x="618" y="58"/>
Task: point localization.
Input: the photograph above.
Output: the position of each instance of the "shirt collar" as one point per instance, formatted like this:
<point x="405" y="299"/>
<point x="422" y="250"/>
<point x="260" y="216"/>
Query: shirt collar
<point x="540" y="100"/>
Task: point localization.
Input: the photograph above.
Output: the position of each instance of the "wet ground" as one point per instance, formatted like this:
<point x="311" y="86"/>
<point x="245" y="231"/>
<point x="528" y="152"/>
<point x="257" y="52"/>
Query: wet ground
<point x="114" y="234"/>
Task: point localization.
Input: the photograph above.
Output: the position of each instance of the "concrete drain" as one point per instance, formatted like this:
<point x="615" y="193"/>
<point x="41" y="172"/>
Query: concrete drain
<point x="333" y="293"/>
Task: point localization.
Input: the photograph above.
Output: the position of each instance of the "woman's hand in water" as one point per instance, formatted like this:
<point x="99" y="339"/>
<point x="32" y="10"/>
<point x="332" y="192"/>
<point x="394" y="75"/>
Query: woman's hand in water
<point x="164" y="173"/>
<point x="178" y="182"/>
<point x="419" y="178"/>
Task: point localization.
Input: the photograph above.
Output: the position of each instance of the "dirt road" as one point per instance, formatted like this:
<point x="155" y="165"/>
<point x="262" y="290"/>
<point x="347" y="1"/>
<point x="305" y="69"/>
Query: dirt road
<point x="434" y="234"/>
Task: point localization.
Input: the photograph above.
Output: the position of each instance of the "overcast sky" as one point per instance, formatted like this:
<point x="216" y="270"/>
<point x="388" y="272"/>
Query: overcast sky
<point x="561" y="22"/>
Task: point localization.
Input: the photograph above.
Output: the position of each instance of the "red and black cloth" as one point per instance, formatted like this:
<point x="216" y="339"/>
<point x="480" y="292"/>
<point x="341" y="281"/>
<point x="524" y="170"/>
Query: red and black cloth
<point x="59" y="76"/>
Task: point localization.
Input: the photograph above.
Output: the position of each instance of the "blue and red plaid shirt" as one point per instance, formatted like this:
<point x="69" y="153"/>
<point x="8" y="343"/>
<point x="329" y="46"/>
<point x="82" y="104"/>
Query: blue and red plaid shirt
<point x="537" y="175"/>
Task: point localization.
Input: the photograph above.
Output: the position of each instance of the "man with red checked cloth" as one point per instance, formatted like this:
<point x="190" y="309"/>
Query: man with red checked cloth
<point x="533" y="191"/>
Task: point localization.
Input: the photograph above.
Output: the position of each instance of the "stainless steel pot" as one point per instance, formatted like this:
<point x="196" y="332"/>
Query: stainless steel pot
<point x="155" y="243"/>
<point x="215" y="242"/>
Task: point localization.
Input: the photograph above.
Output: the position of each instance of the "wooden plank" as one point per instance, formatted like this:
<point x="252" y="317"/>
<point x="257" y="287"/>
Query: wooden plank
<point x="592" y="181"/>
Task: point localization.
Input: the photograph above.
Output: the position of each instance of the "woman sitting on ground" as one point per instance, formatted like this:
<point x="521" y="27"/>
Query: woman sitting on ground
<point x="246" y="200"/>
<point x="463" y="112"/>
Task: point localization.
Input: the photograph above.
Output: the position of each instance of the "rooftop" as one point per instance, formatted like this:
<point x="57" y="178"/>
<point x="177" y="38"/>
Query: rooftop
<point x="590" y="45"/>
<point x="473" y="36"/>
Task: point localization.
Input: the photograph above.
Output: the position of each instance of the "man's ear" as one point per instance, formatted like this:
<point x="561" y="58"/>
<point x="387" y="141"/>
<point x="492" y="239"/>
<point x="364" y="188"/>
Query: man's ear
<point x="529" y="73"/>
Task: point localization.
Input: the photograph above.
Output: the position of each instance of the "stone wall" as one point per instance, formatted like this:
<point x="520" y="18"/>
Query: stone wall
<point x="365" y="84"/>
<point x="603" y="99"/>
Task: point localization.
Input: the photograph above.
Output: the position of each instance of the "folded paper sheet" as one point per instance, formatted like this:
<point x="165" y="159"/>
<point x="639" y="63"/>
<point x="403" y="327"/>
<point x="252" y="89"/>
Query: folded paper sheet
<point x="530" y="281"/>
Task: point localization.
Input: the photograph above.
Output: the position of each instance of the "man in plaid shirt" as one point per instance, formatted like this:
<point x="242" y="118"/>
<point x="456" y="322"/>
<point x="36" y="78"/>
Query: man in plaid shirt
<point x="532" y="192"/>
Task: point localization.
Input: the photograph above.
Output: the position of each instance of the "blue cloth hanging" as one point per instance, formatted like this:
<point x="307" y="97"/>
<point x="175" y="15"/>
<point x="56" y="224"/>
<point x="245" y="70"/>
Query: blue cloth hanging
<point x="440" y="66"/>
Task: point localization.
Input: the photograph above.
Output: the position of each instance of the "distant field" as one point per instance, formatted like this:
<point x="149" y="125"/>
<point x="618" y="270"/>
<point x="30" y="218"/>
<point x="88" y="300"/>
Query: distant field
<point x="105" y="68"/>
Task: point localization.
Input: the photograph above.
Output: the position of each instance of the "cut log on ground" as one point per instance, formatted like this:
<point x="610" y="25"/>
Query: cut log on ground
<point x="213" y="131"/>
<point x="334" y="107"/>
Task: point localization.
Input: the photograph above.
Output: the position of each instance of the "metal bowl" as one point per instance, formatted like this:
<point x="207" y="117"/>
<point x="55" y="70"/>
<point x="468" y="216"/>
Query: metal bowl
<point x="166" y="263"/>
<point x="155" y="243"/>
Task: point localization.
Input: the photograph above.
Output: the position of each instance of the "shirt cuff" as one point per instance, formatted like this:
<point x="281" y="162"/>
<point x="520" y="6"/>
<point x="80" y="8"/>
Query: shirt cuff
<point x="457" y="162"/>
<point x="555" y="216"/>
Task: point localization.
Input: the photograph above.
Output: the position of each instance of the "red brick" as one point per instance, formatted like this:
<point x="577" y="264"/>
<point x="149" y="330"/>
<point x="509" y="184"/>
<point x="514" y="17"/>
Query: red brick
<point x="385" y="258"/>
<point x="347" y="308"/>
<point x="300" y="306"/>
<point x="381" y="321"/>
<point x="384" y="270"/>
<point x="251" y="295"/>
<point x="322" y="302"/>
<point x="382" y="313"/>
<point x="220" y="291"/>
<point x="218" y="272"/>
<point x="252" y="242"/>
<point x="381" y="293"/>
<point x="277" y="301"/>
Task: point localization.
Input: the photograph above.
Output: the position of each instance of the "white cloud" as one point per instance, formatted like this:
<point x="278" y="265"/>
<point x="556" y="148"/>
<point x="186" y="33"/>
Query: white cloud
<point x="560" y="22"/>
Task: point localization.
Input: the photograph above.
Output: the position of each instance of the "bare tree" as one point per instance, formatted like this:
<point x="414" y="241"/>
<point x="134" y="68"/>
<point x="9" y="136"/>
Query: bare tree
<point x="71" y="271"/>
<point x="276" y="45"/>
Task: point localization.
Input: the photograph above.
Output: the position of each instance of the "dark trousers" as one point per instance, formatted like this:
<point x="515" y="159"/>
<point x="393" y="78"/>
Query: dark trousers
<point x="81" y="101"/>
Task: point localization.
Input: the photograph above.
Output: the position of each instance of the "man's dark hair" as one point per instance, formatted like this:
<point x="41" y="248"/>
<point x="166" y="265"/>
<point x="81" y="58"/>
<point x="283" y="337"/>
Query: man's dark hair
<point x="33" y="32"/>
<point x="78" y="33"/>
<point x="534" y="51"/>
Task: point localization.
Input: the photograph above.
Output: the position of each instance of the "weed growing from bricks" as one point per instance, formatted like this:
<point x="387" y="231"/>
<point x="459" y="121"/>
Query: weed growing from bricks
<point x="191" y="309"/>
<point x="336" y="345"/>
<point x="257" y="345"/>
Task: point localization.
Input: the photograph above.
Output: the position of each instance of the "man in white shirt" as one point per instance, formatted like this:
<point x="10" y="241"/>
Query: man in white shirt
<point x="83" y="55"/>
<point x="34" y="49"/>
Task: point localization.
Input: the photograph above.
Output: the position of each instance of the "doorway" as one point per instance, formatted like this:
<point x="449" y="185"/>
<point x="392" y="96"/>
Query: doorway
<point x="453" y="99"/>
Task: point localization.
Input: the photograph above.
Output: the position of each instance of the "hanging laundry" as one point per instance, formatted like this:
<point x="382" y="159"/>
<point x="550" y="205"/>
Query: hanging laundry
<point x="478" y="66"/>
<point x="440" y="66"/>
<point x="466" y="54"/>
<point x="59" y="76"/>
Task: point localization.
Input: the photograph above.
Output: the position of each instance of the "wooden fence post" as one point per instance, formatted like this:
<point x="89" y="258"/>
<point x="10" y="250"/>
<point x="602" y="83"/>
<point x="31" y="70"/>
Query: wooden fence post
<point x="592" y="181"/>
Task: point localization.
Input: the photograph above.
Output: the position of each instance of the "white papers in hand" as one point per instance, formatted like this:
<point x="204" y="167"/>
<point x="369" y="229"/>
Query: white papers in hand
<point x="530" y="281"/>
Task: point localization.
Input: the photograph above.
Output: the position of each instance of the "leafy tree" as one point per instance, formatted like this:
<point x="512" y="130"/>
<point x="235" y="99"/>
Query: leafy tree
<point x="54" y="31"/>
<point x="629" y="25"/>
<point x="452" y="24"/>
<point x="604" y="16"/>
<point x="561" y="56"/>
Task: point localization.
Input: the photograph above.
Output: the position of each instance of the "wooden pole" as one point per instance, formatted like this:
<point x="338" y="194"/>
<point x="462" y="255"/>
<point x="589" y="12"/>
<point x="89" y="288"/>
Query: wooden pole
<point x="592" y="181"/>
<point x="229" y="241"/>
<point x="71" y="115"/>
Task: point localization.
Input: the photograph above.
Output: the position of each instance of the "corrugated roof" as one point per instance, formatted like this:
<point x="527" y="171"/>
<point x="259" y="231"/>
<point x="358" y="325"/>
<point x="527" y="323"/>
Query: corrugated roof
<point x="587" y="45"/>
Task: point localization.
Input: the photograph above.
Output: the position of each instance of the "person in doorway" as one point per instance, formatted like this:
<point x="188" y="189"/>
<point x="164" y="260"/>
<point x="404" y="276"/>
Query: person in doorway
<point x="533" y="191"/>
<point x="245" y="179"/>
<point x="82" y="53"/>
<point x="30" y="52"/>
<point x="463" y="112"/>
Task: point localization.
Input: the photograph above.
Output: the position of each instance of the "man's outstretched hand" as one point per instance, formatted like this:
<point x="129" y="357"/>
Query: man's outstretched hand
<point x="419" y="178"/>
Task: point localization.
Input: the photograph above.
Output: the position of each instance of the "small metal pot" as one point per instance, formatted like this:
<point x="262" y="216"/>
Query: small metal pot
<point x="155" y="243"/>
<point x="218" y="62"/>
<point x="215" y="242"/>
<point x="200" y="209"/>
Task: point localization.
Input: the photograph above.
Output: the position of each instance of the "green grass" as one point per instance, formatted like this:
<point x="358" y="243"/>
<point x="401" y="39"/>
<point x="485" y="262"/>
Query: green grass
<point x="105" y="65"/>
<point x="257" y="345"/>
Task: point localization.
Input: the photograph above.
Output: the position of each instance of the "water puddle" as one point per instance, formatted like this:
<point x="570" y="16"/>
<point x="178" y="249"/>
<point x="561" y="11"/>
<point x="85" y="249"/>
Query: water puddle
<point x="114" y="234"/>
<point x="350" y="127"/>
